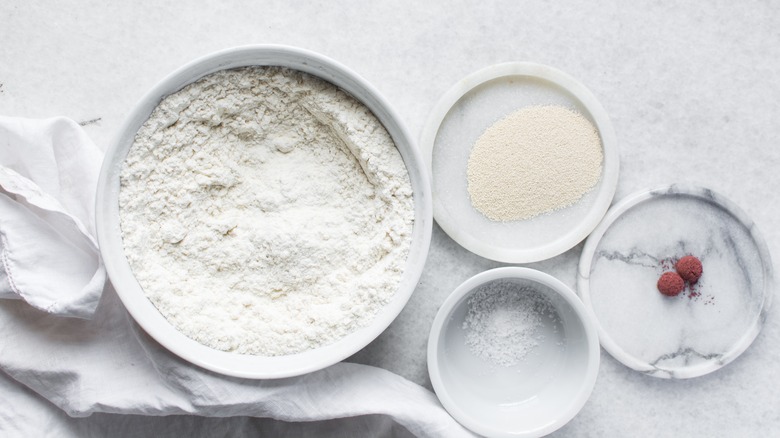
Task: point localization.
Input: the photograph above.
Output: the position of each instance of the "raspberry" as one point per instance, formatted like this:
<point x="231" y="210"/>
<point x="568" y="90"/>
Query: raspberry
<point x="689" y="268"/>
<point x="670" y="284"/>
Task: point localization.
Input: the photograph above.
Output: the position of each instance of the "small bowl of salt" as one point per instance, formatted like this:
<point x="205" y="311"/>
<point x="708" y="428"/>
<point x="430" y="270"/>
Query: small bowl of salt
<point x="513" y="352"/>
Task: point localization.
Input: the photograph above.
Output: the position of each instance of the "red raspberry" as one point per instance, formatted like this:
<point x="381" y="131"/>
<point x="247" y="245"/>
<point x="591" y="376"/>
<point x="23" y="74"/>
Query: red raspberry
<point x="689" y="268"/>
<point x="670" y="284"/>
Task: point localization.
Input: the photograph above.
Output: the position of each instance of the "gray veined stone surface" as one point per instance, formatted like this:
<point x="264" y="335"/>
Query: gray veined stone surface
<point x="709" y="323"/>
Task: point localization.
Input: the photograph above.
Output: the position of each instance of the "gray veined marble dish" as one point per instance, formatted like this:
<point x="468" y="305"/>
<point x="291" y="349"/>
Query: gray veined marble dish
<point x="709" y="324"/>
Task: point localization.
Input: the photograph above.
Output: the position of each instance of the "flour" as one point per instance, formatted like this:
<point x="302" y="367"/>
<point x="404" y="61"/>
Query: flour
<point x="503" y="322"/>
<point x="535" y="160"/>
<point x="265" y="211"/>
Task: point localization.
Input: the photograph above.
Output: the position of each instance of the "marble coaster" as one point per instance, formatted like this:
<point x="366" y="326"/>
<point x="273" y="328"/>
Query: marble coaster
<point x="712" y="321"/>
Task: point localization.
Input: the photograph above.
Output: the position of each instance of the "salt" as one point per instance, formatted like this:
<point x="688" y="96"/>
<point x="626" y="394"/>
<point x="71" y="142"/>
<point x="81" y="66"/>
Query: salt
<point x="503" y="322"/>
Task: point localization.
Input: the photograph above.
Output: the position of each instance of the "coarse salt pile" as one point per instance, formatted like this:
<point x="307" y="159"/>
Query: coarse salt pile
<point x="503" y="320"/>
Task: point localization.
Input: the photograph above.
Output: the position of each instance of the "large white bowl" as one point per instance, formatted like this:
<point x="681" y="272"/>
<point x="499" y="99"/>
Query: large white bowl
<point x="130" y="292"/>
<point x="533" y="398"/>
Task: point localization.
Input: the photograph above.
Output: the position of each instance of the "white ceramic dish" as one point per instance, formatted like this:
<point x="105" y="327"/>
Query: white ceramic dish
<point x="463" y="114"/>
<point x="533" y="398"/>
<point x="144" y="312"/>
<point x="705" y="327"/>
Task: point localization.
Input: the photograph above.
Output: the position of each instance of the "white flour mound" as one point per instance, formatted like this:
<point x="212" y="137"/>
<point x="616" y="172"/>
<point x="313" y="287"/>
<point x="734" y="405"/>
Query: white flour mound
<point x="266" y="212"/>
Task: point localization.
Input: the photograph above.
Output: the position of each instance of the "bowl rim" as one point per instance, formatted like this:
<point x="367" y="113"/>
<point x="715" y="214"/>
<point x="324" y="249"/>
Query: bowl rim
<point x="610" y="169"/>
<point x="466" y="288"/>
<point x="130" y="292"/>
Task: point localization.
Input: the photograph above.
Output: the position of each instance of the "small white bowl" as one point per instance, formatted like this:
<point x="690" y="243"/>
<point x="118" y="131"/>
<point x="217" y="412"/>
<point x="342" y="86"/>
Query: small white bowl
<point x="539" y="394"/>
<point x="130" y="292"/>
<point x="463" y="113"/>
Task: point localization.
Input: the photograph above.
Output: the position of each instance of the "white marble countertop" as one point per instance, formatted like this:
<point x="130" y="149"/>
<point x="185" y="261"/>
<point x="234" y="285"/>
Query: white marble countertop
<point x="691" y="90"/>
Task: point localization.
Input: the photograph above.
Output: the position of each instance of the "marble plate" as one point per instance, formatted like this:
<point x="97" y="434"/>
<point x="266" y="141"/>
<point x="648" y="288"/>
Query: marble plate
<point x="463" y="113"/>
<point x="711" y="322"/>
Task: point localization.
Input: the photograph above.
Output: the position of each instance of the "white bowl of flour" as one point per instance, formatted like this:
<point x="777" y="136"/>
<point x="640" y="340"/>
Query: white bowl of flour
<point x="263" y="213"/>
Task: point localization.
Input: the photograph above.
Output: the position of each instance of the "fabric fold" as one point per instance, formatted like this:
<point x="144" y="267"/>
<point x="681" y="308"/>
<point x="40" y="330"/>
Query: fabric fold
<point x="110" y="365"/>
<point x="48" y="250"/>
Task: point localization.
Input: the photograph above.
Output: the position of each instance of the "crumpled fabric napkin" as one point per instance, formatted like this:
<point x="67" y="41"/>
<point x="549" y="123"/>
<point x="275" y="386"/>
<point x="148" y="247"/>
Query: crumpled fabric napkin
<point x="48" y="253"/>
<point x="107" y="364"/>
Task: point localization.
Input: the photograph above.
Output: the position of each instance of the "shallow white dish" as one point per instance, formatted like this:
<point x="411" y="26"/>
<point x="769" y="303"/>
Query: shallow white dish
<point x="463" y="114"/>
<point x="130" y="292"/>
<point x="706" y="326"/>
<point x="536" y="396"/>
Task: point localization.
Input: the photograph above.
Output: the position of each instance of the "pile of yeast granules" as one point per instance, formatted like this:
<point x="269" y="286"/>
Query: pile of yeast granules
<point x="265" y="211"/>
<point x="536" y="160"/>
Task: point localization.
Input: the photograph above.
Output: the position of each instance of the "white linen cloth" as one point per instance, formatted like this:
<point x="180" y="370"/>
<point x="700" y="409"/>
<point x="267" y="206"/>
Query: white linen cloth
<point x="48" y="253"/>
<point x="102" y="363"/>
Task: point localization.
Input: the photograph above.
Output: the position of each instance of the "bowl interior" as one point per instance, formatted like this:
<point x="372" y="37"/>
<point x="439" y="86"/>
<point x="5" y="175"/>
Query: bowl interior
<point x="541" y="392"/>
<point x="130" y="292"/>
